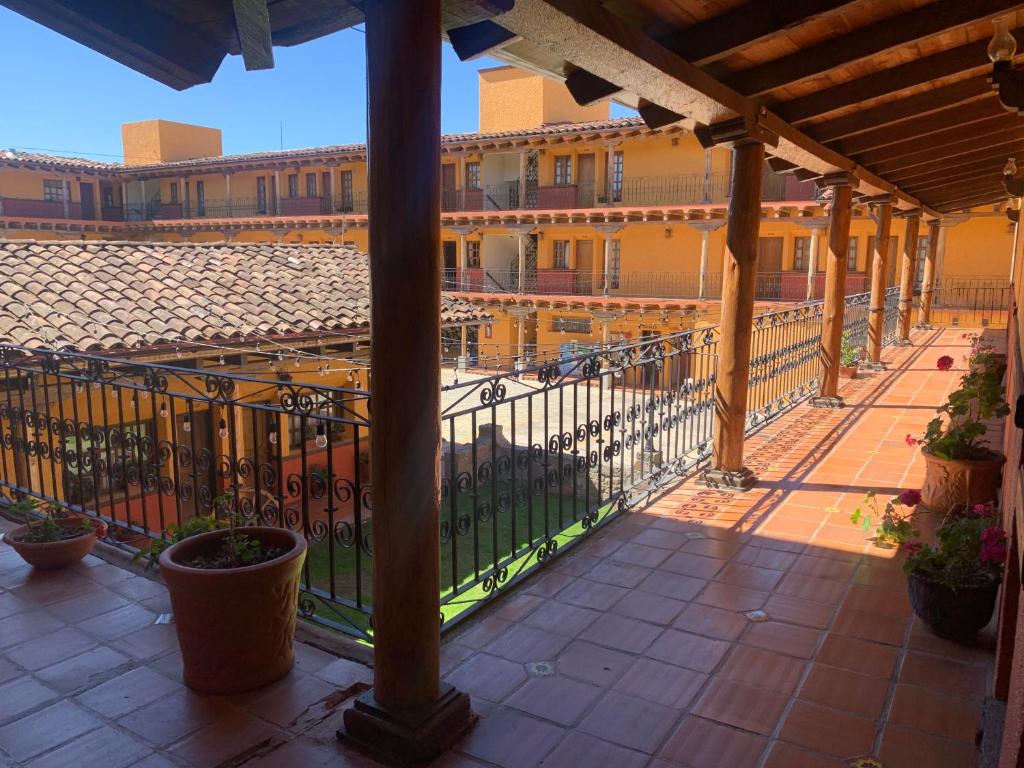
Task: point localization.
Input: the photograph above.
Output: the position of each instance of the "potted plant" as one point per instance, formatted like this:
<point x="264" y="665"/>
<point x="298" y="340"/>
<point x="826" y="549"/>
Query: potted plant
<point x="51" y="537"/>
<point x="953" y="584"/>
<point x="849" y="358"/>
<point x="893" y="525"/>
<point x="234" y="592"/>
<point x="960" y="468"/>
<point x="983" y="356"/>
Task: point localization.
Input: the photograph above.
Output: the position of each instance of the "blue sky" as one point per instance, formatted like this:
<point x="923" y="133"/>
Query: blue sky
<point x="72" y="100"/>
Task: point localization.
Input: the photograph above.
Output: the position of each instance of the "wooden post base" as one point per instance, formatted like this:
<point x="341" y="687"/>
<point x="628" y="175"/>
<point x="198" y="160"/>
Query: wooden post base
<point x="903" y="343"/>
<point x="870" y="365"/>
<point x="827" y="402"/>
<point x="407" y="740"/>
<point x="924" y="327"/>
<point x="724" y="480"/>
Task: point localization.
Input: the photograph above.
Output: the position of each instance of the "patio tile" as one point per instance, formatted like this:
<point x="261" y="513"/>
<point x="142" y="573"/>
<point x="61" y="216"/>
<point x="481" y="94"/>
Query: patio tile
<point x="118" y="623"/>
<point x="935" y="713"/>
<point x="30" y="625"/>
<point x="700" y="743"/>
<point x="795" y="610"/>
<point x="858" y="655"/>
<point x="690" y="564"/>
<point x="622" y="633"/>
<point x="765" y="557"/>
<point x="662" y="683"/>
<point x="829" y="731"/>
<point x="783" y="638"/>
<point x="765" y="669"/>
<point x="887" y="602"/>
<point x="488" y="677"/>
<point x="562" y="618"/>
<point x="12" y="604"/>
<point x="592" y="663"/>
<point x="82" y="671"/>
<point x="742" y="706"/>
<point x="102" y="748"/>
<point x="21" y="695"/>
<point x="579" y="749"/>
<point x="783" y="755"/>
<point x="654" y="537"/>
<point x="943" y="674"/>
<point x="732" y="598"/>
<point x="98" y="601"/>
<point x="299" y="752"/>
<point x="559" y="699"/>
<point x="870" y="625"/>
<point x="672" y="585"/>
<point x="648" y="606"/>
<point x="512" y="740"/>
<point x="343" y="673"/>
<point x="516" y="607"/>
<point x="629" y="721"/>
<point x="483" y="632"/>
<point x="619" y="574"/>
<point x="284" y="702"/>
<point x="127" y="692"/>
<point x="42" y="731"/>
<point x="49" y="649"/>
<point x="845" y="690"/>
<point x="688" y="650"/>
<point x="591" y="594"/>
<point x="226" y="738"/>
<point x="174" y="716"/>
<point x="151" y="640"/>
<point x="819" y="590"/>
<point x="903" y="746"/>
<point x="713" y="622"/>
<point x="524" y="644"/>
<point x="749" y="576"/>
<point x="639" y="554"/>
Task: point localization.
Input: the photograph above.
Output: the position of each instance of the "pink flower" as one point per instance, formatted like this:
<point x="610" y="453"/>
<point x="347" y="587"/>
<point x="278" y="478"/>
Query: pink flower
<point x="912" y="548"/>
<point x="101" y="530"/>
<point x="910" y="498"/>
<point x="910" y="440"/>
<point x="993" y="535"/>
<point x="987" y="509"/>
<point x="944" y="363"/>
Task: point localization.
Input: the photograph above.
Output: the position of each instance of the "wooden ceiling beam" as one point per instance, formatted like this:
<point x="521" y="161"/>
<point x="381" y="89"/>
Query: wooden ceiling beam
<point x="747" y="24"/>
<point x="876" y="38"/>
<point x="983" y="113"/>
<point x="961" y="205"/>
<point x="953" y="141"/>
<point x="940" y="160"/>
<point x="475" y="40"/>
<point x="970" y="199"/>
<point x="587" y="88"/>
<point x="961" y="170"/>
<point x="972" y="57"/>
<point x="252" y="20"/>
<point x="927" y="102"/>
<point x="941" y="191"/>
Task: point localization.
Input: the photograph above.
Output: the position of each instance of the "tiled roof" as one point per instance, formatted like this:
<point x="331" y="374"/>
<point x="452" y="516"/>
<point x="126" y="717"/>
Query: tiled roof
<point x="94" y="295"/>
<point x="71" y="163"/>
<point x="557" y="129"/>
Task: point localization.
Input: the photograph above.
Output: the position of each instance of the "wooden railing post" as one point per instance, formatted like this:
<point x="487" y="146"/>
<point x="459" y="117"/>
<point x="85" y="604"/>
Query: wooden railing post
<point x="924" y="315"/>
<point x="408" y="717"/>
<point x="835" y="289"/>
<point x="879" y="267"/>
<point x="908" y="275"/>
<point x="739" y="277"/>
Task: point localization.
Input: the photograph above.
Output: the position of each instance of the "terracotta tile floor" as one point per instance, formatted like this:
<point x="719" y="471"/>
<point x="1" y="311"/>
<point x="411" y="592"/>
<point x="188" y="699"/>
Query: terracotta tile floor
<point x="653" y="660"/>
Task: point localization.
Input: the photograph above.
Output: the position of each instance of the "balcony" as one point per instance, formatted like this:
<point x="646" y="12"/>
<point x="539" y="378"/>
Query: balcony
<point x="762" y="628"/>
<point x="248" y="208"/>
<point x="41" y="209"/>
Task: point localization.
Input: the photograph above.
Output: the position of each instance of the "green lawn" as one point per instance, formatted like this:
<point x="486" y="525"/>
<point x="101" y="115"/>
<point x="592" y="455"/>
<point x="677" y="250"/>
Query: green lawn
<point x="474" y="553"/>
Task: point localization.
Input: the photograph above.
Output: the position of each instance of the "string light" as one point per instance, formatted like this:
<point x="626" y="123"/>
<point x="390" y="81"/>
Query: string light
<point x="222" y="429"/>
<point x="186" y="424"/>
<point x="321" y="436"/>
<point x="163" y="410"/>
<point x="272" y="432"/>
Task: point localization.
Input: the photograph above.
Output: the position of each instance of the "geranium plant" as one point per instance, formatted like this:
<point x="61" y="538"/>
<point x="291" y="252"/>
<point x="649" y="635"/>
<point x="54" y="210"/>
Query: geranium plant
<point x="970" y="551"/>
<point x="893" y="524"/>
<point x="43" y="522"/>
<point x="849" y="353"/>
<point x="958" y="432"/>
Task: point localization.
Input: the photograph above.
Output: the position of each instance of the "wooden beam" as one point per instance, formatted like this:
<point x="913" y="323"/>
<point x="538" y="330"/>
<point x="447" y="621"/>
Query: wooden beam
<point x="587" y="88"/>
<point x="919" y="127"/>
<point x="744" y="25"/>
<point x="973" y="202"/>
<point x="884" y="35"/>
<point x="252" y="20"/>
<point x="968" y="199"/>
<point x="972" y="57"/>
<point x="943" y="191"/>
<point x="655" y="116"/>
<point x="145" y="39"/>
<point x="938" y="160"/>
<point x="968" y="177"/>
<point x="992" y="167"/>
<point x="475" y="40"/>
<point x="927" y="102"/>
<point x="950" y="143"/>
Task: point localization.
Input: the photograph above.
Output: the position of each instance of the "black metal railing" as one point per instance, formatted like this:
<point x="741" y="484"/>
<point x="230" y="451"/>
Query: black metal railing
<point x="248" y="207"/>
<point x="971" y="302"/>
<point x="783" y="360"/>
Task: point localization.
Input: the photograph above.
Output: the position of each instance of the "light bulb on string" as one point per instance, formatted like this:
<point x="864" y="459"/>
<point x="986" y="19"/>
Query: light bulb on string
<point x="297" y="362"/>
<point x="186" y="424"/>
<point x="321" y="436"/>
<point x="272" y="433"/>
<point x="222" y="429"/>
<point x="163" y="410"/>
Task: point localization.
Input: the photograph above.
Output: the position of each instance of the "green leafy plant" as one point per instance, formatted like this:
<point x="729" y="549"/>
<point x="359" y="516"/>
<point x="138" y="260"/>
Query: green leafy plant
<point x="893" y="524"/>
<point x="43" y="522"/>
<point x="849" y="353"/>
<point x="970" y="551"/>
<point x="958" y="432"/>
<point x="175" y="533"/>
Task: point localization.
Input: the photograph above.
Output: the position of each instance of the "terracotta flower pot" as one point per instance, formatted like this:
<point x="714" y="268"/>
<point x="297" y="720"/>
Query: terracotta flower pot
<point x="52" y="555"/>
<point x="953" y="614"/>
<point x="235" y="625"/>
<point x="949" y="483"/>
<point x="848" y="371"/>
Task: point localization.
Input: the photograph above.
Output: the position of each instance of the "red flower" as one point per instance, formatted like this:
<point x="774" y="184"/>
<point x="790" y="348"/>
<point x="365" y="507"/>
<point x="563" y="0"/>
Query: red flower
<point x="910" y="440"/>
<point x="987" y="509"/>
<point x="910" y="498"/>
<point x="101" y="530"/>
<point x="944" y="363"/>
<point x="912" y="548"/>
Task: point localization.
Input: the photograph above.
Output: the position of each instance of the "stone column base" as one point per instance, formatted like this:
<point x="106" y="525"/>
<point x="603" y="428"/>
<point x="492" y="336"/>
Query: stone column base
<point x="868" y="365"/>
<point x="406" y="739"/>
<point x="724" y="480"/>
<point x="903" y="343"/>
<point x="924" y="327"/>
<point x="462" y="363"/>
<point x="827" y="402"/>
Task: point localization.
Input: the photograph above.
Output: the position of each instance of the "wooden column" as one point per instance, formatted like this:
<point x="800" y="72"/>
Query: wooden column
<point x="277" y="191"/>
<point x="705" y="227"/>
<point x="124" y="200"/>
<point x="835" y="290"/>
<point x="65" y="195"/>
<point x="523" y="161"/>
<point x="227" y="191"/>
<point x="739" y="275"/>
<point x="408" y="715"/>
<point x="907" y="277"/>
<point x="879" y="267"/>
<point x="812" y="259"/>
<point x="924" y="315"/>
<point x="183" y="191"/>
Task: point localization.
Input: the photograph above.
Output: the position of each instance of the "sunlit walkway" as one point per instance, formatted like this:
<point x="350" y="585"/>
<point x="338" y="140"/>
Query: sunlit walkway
<point x="656" y="658"/>
<point x="639" y="648"/>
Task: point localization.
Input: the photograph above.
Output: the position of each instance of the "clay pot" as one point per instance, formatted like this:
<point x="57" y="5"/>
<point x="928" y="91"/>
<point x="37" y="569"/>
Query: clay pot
<point x="953" y="614"/>
<point x="52" y="555"/>
<point x="235" y="626"/>
<point x="848" y="371"/>
<point x="956" y="482"/>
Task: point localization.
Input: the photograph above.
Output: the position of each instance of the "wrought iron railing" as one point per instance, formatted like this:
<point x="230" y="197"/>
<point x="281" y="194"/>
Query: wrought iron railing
<point x="783" y="360"/>
<point x="971" y="302"/>
<point x="249" y="207"/>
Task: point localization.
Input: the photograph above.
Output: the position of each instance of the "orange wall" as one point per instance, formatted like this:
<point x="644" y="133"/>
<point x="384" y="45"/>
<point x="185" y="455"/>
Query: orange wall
<point x="164" y="141"/>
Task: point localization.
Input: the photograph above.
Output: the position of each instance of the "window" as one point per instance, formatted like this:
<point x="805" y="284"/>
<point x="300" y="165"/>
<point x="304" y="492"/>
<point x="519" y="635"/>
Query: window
<point x="108" y="197"/>
<point x="472" y="175"/>
<point x="922" y="254"/>
<point x="563" y="170"/>
<point x="201" y="198"/>
<point x="472" y="253"/>
<point x="293" y="185"/>
<point x="53" y="190"/>
<point x="851" y="257"/>
<point x="261" y="194"/>
<point x="617" y="177"/>
<point x="614" y="263"/>
<point x="326" y="187"/>
<point x="560" y="255"/>
<point x="346" y="190"/>
<point x="310" y="185"/>
<point x="571" y="325"/>
<point x="801" y="253"/>
<point x="174" y="192"/>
